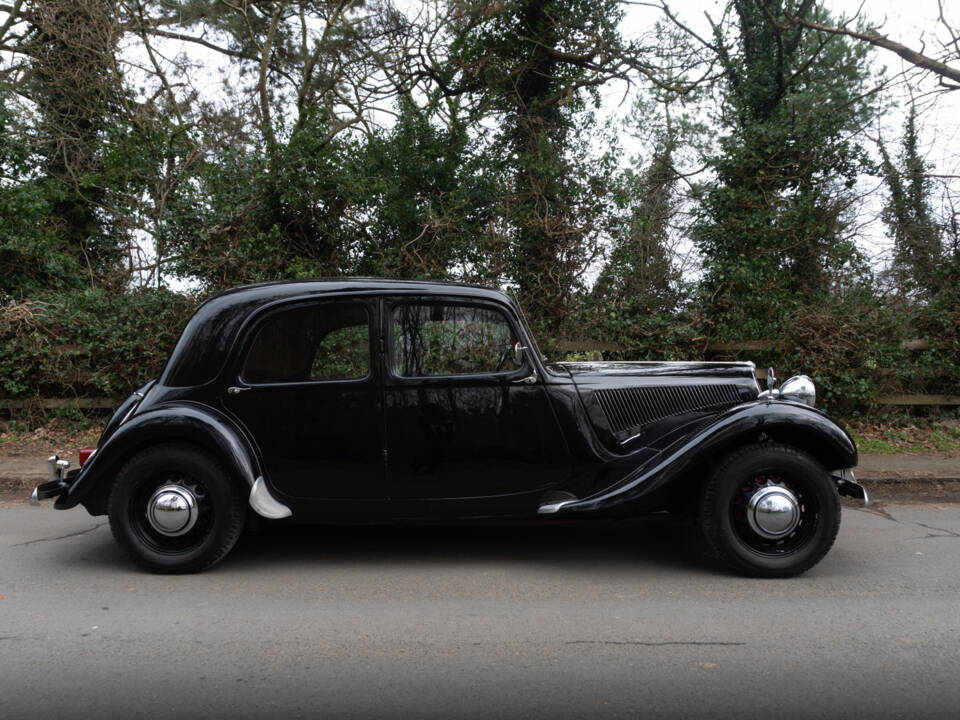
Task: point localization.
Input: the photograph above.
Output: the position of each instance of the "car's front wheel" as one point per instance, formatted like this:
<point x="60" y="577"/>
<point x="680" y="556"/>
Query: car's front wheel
<point x="770" y="510"/>
<point x="174" y="509"/>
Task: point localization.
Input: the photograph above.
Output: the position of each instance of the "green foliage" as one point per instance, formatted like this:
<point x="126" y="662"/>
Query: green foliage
<point x="426" y="198"/>
<point x="534" y="65"/>
<point x="31" y="255"/>
<point x="773" y="229"/>
<point x="238" y="223"/>
<point x="88" y="341"/>
<point x="909" y="216"/>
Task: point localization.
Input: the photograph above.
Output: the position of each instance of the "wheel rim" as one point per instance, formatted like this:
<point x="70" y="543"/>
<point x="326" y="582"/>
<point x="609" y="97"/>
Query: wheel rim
<point x="774" y="514"/>
<point x="172" y="510"/>
<point x="171" y="513"/>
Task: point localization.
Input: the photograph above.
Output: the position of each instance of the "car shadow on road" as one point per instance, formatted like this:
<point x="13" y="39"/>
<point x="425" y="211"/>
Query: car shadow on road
<point x="656" y="542"/>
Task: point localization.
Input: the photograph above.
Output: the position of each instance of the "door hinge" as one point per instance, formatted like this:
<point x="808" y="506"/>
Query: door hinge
<point x="384" y="458"/>
<point x="381" y="346"/>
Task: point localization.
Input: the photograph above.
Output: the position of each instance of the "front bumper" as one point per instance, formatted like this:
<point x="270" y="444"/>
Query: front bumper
<point x="847" y="485"/>
<point x="60" y="480"/>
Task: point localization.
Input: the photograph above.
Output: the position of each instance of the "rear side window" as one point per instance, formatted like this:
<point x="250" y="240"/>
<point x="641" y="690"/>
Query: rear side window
<point x="323" y="342"/>
<point x="434" y="340"/>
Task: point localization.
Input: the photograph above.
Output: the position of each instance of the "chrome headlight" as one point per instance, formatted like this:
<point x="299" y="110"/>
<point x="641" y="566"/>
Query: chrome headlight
<point x="801" y="389"/>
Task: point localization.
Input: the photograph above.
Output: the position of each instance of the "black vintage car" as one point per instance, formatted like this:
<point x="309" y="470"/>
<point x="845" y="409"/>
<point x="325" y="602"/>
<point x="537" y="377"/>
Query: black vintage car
<point x="355" y="401"/>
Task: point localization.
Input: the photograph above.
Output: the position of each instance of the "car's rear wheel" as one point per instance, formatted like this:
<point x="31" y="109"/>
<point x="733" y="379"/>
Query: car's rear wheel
<point x="770" y="510"/>
<point x="174" y="509"/>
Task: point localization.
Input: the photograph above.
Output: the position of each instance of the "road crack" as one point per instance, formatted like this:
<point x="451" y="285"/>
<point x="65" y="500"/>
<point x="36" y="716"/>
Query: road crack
<point x="878" y="509"/>
<point x="644" y="643"/>
<point x="62" y="537"/>
<point x="946" y="533"/>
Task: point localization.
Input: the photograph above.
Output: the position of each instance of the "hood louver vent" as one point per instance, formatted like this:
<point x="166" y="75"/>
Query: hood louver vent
<point x="627" y="408"/>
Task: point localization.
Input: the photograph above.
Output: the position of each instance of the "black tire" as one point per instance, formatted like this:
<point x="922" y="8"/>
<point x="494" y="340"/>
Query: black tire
<point x="725" y="498"/>
<point x="220" y="509"/>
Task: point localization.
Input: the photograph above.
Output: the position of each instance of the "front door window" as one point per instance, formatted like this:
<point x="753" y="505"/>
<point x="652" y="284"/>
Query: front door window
<point x="441" y="340"/>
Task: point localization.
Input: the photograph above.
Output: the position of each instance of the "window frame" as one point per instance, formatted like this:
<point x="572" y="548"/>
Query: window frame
<point x="389" y="354"/>
<point x="255" y="323"/>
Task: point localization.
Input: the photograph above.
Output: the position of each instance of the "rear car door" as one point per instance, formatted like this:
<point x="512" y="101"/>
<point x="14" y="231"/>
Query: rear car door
<point x="462" y="418"/>
<point x="306" y="390"/>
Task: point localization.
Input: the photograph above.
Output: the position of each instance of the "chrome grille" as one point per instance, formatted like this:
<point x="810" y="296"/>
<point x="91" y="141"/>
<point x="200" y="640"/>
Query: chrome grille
<point x="633" y="407"/>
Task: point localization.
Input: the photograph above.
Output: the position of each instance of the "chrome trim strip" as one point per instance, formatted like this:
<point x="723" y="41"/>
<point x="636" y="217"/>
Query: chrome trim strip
<point x="264" y="504"/>
<point x="551" y="508"/>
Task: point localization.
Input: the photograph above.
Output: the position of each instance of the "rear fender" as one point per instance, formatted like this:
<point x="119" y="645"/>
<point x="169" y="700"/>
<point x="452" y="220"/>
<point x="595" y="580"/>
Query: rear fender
<point x="792" y="423"/>
<point x="190" y="423"/>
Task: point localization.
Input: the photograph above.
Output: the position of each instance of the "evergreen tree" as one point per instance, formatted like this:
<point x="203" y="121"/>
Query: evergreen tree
<point x="909" y="217"/>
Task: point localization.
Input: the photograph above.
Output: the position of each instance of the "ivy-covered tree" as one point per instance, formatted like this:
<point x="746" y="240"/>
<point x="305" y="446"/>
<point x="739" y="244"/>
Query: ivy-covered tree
<point x="909" y="217"/>
<point x="529" y="70"/>
<point x="425" y="200"/>
<point x="77" y="93"/>
<point x="640" y="268"/>
<point x="774" y="228"/>
<point x="32" y="258"/>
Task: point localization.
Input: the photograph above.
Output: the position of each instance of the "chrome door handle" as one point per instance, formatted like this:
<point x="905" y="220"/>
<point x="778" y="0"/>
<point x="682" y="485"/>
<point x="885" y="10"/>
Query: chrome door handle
<point x="234" y="390"/>
<point x="530" y="379"/>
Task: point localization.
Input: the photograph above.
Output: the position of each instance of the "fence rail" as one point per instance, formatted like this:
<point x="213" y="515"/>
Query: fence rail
<point x="56" y="403"/>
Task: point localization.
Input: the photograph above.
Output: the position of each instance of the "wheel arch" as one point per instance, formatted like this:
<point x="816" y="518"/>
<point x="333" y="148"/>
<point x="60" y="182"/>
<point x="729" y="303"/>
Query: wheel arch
<point x="198" y="426"/>
<point x="680" y="469"/>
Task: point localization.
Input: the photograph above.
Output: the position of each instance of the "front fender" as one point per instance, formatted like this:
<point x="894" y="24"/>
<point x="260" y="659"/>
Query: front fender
<point x="183" y="422"/>
<point x="782" y="421"/>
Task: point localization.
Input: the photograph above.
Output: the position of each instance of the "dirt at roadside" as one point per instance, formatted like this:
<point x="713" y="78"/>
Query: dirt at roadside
<point x="23" y="456"/>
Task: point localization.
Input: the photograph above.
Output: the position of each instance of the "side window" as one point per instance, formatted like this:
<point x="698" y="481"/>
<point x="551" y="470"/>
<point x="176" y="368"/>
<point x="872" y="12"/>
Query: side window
<point x="431" y="340"/>
<point x="330" y="341"/>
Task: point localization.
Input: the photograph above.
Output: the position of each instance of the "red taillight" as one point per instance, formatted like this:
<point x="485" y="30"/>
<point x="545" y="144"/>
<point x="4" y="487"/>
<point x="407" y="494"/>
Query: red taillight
<point x="85" y="453"/>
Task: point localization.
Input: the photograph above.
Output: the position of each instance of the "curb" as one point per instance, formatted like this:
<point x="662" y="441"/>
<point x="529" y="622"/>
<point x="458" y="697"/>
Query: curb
<point x="905" y="478"/>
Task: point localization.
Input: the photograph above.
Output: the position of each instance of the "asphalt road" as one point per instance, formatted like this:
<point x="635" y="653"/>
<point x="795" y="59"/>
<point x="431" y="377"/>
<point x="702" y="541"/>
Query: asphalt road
<point x="616" y="620"/>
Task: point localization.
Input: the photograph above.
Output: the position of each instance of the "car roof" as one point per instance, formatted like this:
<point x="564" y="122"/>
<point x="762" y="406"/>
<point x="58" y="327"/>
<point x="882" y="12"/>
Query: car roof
<point x="206" y="340"/>
<point x="285" y="288"/>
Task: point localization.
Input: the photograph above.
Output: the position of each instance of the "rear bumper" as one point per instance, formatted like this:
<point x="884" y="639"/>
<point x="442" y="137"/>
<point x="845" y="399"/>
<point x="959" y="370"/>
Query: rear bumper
<point x="60" y="480"/>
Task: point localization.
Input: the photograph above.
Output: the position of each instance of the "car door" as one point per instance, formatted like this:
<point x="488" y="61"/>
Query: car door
<point x="463" y="419"/>
<point x="307" y="392"/>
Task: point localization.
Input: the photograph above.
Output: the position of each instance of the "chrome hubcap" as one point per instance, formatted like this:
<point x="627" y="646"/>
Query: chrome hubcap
<point x="172" y="510"/>
<point x="773" y="512"/>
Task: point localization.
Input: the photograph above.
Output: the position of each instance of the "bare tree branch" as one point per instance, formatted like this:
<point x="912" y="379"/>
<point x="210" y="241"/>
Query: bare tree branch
<point x="874" y="37"/>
